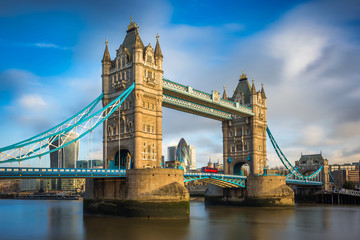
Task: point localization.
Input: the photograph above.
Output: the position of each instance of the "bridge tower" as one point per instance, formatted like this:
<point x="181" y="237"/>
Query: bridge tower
<point x="139" y="122"/>
<point x="132" y="138"/>
<point x="308" y="164"/>
<point x="244" y="139"/>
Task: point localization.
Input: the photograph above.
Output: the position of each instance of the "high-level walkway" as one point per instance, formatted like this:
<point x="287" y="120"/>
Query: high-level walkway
<point x="188" y="99"/>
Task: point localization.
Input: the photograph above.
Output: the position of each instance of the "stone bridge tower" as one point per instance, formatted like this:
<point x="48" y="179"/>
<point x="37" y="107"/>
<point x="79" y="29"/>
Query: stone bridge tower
<point x="244" y="139"/>
<point x="136" y="127"/>
<point x="310" y="163"/>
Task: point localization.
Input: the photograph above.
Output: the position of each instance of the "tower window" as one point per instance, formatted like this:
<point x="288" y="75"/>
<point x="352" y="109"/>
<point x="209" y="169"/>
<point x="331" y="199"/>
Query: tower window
<point x="149" y="59"/>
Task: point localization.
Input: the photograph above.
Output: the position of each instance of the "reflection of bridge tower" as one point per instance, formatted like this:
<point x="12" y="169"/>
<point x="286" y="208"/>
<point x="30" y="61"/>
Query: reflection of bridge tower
<point x="308" y="164"/>
<point x="140" y="116"/>
<point x="244" y="139"/>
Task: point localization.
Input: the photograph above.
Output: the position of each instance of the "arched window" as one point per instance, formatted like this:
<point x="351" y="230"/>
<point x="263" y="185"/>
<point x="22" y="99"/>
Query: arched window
<point x="122" y="61"/>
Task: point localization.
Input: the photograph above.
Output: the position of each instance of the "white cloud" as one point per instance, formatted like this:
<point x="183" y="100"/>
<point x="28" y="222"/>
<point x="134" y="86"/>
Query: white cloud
<point x="312" y="135"/>
<point x="49" y="45"/>
<point x="32" y="101"/>
<point x="297" y="46"/>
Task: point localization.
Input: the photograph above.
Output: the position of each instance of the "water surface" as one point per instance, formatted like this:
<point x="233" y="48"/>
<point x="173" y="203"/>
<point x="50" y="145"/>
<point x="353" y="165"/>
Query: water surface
<point x="59" y="219"/>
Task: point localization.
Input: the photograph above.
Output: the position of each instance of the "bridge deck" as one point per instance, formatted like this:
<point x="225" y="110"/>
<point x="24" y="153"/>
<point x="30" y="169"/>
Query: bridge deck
<point x="22" y="172"/>
<point x="222" y="180"/>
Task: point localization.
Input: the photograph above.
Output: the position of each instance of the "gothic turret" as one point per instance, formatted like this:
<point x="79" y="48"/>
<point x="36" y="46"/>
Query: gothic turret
<point x="243" y="91"/>
<point x="224" y="94"/>
<point x="158" y="53"/>
<point x="106" y="65"/>
<point x="106" y="57"/>
<point x="263" y="95"/>
<point x="253" y="89"/>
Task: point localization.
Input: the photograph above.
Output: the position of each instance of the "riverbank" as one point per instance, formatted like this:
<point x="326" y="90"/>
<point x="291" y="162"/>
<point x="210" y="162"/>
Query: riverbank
<point x="39" y="197"/>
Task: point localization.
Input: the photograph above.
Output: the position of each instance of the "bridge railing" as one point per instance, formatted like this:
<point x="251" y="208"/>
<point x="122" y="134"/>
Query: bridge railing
<point x="215" y="175"/>
<point x="350" y="192"/>
<point x="196" y="107"/>
<point x="58" y="172"/>
<point x="303" y="182"/>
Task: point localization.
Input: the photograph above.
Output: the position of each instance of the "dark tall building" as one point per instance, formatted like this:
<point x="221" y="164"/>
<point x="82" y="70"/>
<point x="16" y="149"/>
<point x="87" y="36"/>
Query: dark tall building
<point x="67" y="156"/>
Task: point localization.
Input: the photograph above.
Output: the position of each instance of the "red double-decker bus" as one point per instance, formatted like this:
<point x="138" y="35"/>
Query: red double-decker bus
<point x="209" y="170"/>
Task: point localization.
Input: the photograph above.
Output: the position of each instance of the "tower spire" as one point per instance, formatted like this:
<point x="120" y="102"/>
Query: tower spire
<point x="243" y="76"/>
<point x="106" y="57"/>
<point x="224" y="94"/>
<point x="263" y="95"/>
<point x="158" y="52"/>
<point x="253" y="89"/>
<point x="132" y="25"/>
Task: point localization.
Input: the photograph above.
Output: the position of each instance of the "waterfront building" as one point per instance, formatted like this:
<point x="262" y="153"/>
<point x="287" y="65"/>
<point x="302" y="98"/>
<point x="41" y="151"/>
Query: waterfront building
<point x="29" y="185"/>
<point x="72" y="184"/>
<point x="345" y="166"/>
<point x="67" y="156"/>
<point x="346" y="172"/>
<point x="9" y="185"/>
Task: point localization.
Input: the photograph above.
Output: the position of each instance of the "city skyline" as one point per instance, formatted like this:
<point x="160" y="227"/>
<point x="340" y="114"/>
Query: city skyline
<point x="305" y="52"/>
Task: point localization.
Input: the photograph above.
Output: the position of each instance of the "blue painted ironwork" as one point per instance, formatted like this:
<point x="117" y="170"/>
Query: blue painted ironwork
<point x="180" y="96"/>
<point x="21" y="172"/>
<point x="75" y="118"/>
<point x="196" y="108"/>
<point x="293" y="171"/>
<point x="38" y="147"/>
<point x="221" y="180"/>
<point x="303" y="182"/>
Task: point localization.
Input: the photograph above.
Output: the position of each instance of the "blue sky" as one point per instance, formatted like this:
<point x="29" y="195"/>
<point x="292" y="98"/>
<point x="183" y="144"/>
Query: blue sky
<point x="307" y="54"/>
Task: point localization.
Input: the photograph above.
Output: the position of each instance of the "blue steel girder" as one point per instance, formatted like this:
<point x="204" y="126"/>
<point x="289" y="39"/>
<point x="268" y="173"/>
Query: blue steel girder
<point x="41" y="144"/>
<point x="221" y="180"/>
<point x="23" y="172"/>
<point x="212" y="101"/>
<point x="194" y="108"/>
<point x="303" y="182"/>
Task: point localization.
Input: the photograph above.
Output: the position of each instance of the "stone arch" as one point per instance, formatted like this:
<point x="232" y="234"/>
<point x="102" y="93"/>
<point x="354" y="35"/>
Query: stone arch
<point x="238" y="168"/>
<point x="125" y="160"/>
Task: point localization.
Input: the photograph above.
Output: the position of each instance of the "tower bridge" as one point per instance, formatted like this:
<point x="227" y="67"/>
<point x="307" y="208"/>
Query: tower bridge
<point x="133" y="94"/>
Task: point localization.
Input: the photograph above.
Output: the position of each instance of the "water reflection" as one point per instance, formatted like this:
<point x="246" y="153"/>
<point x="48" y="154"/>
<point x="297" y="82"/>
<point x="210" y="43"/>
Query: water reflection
<point x="29" y="219"/>
<point x="97" y="227"/>
<point x="65" y="220"/>
<point x="241" y="223"/>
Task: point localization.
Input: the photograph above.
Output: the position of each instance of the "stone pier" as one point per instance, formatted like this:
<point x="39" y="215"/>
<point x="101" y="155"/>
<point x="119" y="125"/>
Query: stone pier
<point x="261" y="191"/>
<point x="149" y="193"/>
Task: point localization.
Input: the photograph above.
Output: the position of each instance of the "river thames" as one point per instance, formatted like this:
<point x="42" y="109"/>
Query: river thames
<point x="61" y="219"/>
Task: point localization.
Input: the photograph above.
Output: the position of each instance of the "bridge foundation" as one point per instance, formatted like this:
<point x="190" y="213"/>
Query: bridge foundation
<point x="269" y="191"/>
<point x="261" y="191"/>
<point x="149" y="193"/>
